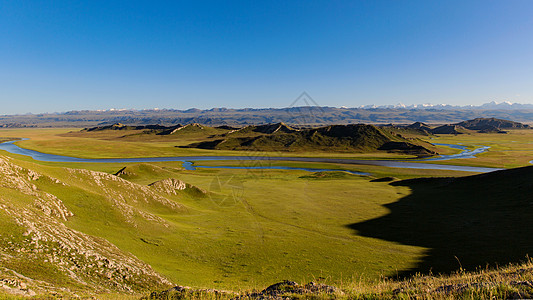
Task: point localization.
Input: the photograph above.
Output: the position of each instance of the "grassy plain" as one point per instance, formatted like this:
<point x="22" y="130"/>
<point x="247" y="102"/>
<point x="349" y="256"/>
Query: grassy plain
<point x="238" y="236"/>
<point x="510" y="150"/>
<point x="257" y="227"/>
<point x="110" y="144"/>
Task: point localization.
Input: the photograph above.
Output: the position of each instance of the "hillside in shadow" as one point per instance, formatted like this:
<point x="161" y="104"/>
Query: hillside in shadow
<point x="467" y="221"/>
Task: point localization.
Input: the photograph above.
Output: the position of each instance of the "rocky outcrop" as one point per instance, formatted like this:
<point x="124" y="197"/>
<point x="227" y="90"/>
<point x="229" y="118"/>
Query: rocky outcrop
<point x="282" y="290"/>
<point x="173" y="186"/>
<point x="131" y="194"/>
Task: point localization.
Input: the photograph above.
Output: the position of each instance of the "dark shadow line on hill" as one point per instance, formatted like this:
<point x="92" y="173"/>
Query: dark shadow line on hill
<point x="466" y="222"/>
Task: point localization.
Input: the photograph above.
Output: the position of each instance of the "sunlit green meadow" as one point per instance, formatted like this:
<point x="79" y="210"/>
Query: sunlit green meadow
<point x="252" y="227"/>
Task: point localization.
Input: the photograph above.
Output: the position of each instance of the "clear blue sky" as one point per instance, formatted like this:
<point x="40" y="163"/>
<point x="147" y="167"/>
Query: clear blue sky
<point x="69" y="55"/>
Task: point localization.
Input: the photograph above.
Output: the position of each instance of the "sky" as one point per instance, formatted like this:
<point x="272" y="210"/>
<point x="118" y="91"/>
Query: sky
<point x="59" y="56"/>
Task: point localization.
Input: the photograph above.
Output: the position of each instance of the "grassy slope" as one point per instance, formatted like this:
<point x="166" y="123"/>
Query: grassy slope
<point x="290" y="233"/>
<point x="294" y="231"/>
<point x="35" y="243"/>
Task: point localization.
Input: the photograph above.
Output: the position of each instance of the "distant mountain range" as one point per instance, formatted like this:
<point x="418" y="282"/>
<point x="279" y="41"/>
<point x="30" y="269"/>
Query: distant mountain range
<point x="505" y="105"/>
<point x="294" y="116"/>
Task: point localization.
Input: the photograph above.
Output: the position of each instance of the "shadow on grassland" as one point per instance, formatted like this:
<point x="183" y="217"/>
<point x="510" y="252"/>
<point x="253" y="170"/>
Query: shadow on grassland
<point x="475" y="220"/>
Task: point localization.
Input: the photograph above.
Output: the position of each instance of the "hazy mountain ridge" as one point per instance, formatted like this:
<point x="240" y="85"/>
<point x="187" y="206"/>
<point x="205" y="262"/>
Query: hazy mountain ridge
<point x="304" y="115"/>
<point x="505" y="105"/>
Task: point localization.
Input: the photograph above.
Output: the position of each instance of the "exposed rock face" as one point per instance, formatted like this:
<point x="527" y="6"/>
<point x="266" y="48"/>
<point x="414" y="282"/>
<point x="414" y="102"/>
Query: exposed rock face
<point x="169" y="185"/>
<point x="172" y="183"/>
<point x="40" y="236"/>
<point x="282" y="290"/>
<point x="286" y="287"/>
<point x="173" y="186"/>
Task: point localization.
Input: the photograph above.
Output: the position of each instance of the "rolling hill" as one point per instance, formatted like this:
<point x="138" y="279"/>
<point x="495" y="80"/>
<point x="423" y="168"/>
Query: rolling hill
<point x="481" y="125"/>
<point x="491" y="125"/>
<point x="280" y="137"/>
<point x="272" y="137"/>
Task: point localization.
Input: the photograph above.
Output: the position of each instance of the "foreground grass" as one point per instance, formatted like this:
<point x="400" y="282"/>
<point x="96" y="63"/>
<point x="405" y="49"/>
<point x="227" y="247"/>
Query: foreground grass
<point x="513" y="281"/>
<point x="508" y="282"/>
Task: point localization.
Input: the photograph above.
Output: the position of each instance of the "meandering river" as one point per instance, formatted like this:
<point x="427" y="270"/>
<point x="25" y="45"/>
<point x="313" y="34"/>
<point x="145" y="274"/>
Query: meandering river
<point x="191" y="162"/>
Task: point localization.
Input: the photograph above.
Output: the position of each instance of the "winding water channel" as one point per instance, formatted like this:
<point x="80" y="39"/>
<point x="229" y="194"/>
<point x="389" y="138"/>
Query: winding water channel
<point x="191" y="162"/>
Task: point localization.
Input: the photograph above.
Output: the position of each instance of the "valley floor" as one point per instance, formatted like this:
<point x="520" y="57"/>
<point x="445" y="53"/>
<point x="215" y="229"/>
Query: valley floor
<point x="77" y="228"/>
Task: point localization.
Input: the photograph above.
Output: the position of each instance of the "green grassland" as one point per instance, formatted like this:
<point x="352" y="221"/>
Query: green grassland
<point x="513" y="149"/>
<point x="243" y="229"/>
<point x="111" y="144"/>
<point x="236" y="236"/>
<point x="510" y="150"/>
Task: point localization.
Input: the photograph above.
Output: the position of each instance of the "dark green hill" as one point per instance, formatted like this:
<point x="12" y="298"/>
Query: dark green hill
<point x="189" y="128"/>
<point x="155" y="129"/>
<point x="481" y="125"/>
<point x="354" y="137"/>
<point x="449" y="129"/>
<point x="420" y="126"/>
<point x="119" y="126"/>
<point x="267" y="128"/>
<point x="464" y="222"/>
<point x="149" y="131"/>
<point x="485" y="125"/>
